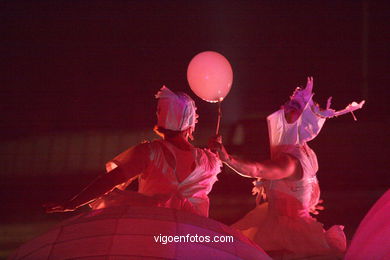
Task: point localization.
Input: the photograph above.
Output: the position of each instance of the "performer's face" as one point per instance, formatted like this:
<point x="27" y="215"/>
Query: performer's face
<point x="292" y="110"/>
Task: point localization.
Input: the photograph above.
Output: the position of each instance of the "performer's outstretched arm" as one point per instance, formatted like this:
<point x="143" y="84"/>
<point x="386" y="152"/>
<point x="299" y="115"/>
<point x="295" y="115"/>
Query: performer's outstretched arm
<point x="282" y="167"/>
<point x="135" y="163"/>
<point x="95" y="189"/>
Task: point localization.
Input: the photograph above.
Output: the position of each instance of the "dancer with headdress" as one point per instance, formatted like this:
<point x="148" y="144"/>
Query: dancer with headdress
<point x="172" y="173"/>
<point x="165" y="219"/>
<point x="288" y="182"/>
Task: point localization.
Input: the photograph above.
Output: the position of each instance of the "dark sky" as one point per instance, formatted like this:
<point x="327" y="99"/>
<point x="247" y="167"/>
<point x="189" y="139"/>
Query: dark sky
<point x="80" y="65"/>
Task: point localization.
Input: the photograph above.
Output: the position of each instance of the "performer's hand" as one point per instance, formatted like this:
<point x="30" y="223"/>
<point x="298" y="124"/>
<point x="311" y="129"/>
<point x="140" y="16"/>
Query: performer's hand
<point x="64" y="207"/>
<point x="306" y="93"/>
<point x="309" y="85"/>
<point x="355" y="106"/>
<point x="215" y="143"/>
<point x="216" y="146"/>
<point x="317" y="207"/>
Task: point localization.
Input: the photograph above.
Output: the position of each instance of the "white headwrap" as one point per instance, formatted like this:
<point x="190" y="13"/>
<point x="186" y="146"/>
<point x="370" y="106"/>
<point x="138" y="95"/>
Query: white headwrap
<point x="175" y="111"/>
<point x="309" y="123"/>
<point x="304" y="129"/>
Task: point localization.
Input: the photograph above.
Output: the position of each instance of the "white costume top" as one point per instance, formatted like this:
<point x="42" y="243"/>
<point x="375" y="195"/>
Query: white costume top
<point x="291" y="138"/>
<point x="289" y="197"/>
<point x="161" y="178"/>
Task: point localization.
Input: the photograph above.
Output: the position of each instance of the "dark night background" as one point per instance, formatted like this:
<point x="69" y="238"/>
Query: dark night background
<point x="73" y="68"/>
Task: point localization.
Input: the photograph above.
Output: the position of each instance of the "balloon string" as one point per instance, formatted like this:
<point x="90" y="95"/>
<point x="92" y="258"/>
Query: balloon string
<point x="353" y="115"/>
<point x="219" y="117"/>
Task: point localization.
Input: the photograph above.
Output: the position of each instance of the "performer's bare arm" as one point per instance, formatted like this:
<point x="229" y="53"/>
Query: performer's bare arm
<point x="105" y="182"/>
<point x="282" y="167"/>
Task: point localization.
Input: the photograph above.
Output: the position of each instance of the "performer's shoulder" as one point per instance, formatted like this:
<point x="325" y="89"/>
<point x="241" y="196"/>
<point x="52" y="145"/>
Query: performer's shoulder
<point x="149" y="143"/>
<point x="145" y="146"/>
<point x="155" y="145"/>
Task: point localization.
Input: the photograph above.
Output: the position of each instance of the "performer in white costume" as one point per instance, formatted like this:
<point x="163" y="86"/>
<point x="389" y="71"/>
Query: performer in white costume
<point x="288" y="182"/>
<point x="172" y="172"/>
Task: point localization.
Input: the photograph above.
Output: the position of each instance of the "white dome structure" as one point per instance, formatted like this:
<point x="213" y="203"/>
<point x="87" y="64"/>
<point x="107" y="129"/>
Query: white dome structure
<point x="140" y="233"/>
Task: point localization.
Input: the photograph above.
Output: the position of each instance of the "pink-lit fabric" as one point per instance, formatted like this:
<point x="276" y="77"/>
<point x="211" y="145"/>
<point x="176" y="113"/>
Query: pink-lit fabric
<point x="372" y="238"/>
<point x="295" y="198"/>
<point x="284" y="222"/>
<point x="164" y="181"/>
